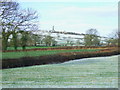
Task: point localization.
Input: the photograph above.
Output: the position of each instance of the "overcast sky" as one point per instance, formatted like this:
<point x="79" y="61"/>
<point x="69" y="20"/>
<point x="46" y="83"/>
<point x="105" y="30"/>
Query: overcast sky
<point x="76" y="15"/>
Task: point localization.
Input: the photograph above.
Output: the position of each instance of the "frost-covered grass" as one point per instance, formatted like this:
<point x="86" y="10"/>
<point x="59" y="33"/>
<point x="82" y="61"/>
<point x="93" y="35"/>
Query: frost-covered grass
<point x="100" y="72"/>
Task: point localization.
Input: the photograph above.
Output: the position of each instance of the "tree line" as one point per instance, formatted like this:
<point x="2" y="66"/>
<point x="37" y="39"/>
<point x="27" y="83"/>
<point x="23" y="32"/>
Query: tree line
<point x="18" y="26"/>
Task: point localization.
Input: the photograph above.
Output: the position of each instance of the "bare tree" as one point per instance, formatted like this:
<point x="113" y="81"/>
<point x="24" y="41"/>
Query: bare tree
<point x="49" y="40"/>
<point x="114" y="38"/>
<point x="27" y="22"/>
<point x="7" y="14"/>
<point x="118" y="37"/>
<point x="91" y="38"/>
<point x="92" y="32"/>
<point x="15" y="19"/>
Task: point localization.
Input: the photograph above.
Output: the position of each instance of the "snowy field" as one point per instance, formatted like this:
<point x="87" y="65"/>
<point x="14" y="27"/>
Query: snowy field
<point x="99" y="72"/>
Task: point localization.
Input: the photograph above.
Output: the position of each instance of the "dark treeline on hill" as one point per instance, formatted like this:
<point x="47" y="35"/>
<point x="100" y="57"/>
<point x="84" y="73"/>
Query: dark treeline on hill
<point x="72" y="33"/>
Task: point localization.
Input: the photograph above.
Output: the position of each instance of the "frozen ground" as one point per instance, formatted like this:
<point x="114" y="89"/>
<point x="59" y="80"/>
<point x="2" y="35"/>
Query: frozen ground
<point x="100" y="72"/>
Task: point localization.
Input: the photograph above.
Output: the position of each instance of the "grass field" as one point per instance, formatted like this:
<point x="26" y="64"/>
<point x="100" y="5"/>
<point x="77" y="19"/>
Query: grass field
<point x="32" y="47"/>
<point x="100" y="72"/>
<point x="6" y="55"/>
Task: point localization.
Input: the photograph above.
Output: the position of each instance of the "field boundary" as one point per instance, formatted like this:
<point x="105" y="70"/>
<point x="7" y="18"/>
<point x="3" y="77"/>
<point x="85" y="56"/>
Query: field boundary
<point x="58" y="48"/>
<point x="56" y="58"/>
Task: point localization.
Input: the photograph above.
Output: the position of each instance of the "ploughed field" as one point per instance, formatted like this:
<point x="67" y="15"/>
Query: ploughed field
<point x="97" y="72"/>
<point x="41" y="51"/>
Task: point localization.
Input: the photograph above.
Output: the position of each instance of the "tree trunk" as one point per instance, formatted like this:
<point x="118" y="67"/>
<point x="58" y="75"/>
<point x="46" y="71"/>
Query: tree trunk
<point x="15" y="40"/>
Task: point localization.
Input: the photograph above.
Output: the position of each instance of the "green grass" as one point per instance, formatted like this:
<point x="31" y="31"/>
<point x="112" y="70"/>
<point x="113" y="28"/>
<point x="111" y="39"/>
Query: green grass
<point x="100" y="72"/>
<point x="32" y="47"/>
<point x="0" y="55"/>
<point x="6" y="55"/>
